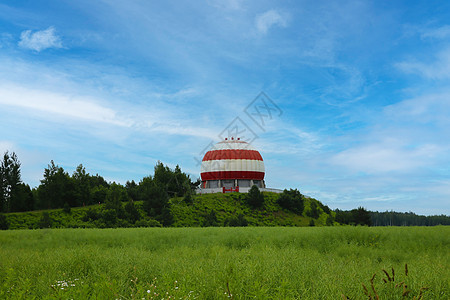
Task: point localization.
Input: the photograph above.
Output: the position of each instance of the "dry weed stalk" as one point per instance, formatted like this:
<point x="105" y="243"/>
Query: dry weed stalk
<point x="387" y="275"/>
<point x="369" y="293"/>
<point x="228" y="291"/>
<point x="366" y="292"/>
<point x="420" y="293"/>
<point x="373" y="287"/>
<point x="391" y="278"/>
<point x="372" y="294"/>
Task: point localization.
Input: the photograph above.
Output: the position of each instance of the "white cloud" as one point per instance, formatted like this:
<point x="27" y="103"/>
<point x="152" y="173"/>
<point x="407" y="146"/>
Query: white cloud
<point x="171" y="127"/>
<point x="432" y="108"/>
<point x="228" y="4"/>
<point x="385" y="157"/>
<point x="269" y="19"/>
<point x="59" y="104"/>
<point x="6" y="146"/>
<point x="438" y="69"/>
<point x="40" y="40"/>
<point x="408" y="137"/>
<point x="437" y="33"/>
<point x="285" y="139"/>
<point x="5" y="39"/>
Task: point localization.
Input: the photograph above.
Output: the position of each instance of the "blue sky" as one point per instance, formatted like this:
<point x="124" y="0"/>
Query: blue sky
<point x="359" y="89"/>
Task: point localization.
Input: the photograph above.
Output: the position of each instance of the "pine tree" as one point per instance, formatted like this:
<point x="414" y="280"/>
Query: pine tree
<point x="9" y="181"/>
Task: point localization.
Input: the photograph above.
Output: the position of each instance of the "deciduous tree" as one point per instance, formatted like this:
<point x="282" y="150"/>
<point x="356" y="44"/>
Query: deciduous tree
<point x="56" y="188"/>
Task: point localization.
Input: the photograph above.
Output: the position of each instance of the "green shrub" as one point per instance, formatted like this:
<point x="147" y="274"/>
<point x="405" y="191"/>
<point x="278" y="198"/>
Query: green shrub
<point x="131" y="212"/>
<point x="239" y="221"/>
<point x="109" y="216"/>
<point x="291" y="200"/>
<point x="188" y="198"/>
<point x="45" y="221"/>
<point x="254" y="197"/>
<point x="116" y="195"/>
<point x="329" y="221"/>
<point x="210" y="219"/>
<point x="91" y="215"/>
<point x="3" y="222"/>
<point x="313" y="212"/>
<point x="147" y="223"/>
<point x="66" y="208"/>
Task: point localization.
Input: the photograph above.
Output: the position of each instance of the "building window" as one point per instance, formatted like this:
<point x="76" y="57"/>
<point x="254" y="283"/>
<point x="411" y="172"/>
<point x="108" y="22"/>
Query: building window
<point x="213" y="184"/>
<point x="243" y="183"/>
<point x="228" y="183"/>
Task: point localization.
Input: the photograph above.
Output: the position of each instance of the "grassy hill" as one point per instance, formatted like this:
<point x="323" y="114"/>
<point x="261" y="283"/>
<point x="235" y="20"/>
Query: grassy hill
<point x="231" y="205"/>
<point x="201" y="211"/>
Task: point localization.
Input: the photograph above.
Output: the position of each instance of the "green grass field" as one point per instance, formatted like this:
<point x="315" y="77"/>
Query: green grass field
<point x="225" y="263"/>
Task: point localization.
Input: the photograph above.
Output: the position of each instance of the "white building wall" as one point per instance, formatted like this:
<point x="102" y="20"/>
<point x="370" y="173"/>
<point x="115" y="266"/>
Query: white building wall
<point x="241" y="190"/>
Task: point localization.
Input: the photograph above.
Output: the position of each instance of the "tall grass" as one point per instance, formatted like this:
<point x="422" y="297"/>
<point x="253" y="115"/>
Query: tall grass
<point x="222" y="263"/>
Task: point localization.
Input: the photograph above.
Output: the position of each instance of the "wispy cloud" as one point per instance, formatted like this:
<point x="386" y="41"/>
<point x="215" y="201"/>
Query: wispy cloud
<point x="406" y="137"/>
<point x="285" y="139"/>
<point x="386" y="157"/>
<point x="90" y="109"/>
<point x="228" y="4"/>
<point x="436" y="70"/>
<point x="431" y="108"/>
<point x="269" y="19"/>
<point x="436" y="33"/>
<point x="58" y="104"/>
<point x="173" y="128"/>
<point x="6" y="146"/>
<point x="5" y="39"/>
<point x="40" y="40"/>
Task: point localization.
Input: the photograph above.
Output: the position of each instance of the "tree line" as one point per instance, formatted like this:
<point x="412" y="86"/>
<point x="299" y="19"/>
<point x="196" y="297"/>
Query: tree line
<point x="59" y="189"/>
<point x="361" y="216"/>
<point x="392" y="218"/>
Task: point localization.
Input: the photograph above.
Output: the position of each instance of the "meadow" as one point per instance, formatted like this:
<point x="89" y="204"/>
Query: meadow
<point x="226" y="263"/>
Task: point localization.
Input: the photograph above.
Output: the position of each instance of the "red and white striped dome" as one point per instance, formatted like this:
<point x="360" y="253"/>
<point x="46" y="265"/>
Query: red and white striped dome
<point x="232" y="159"/>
